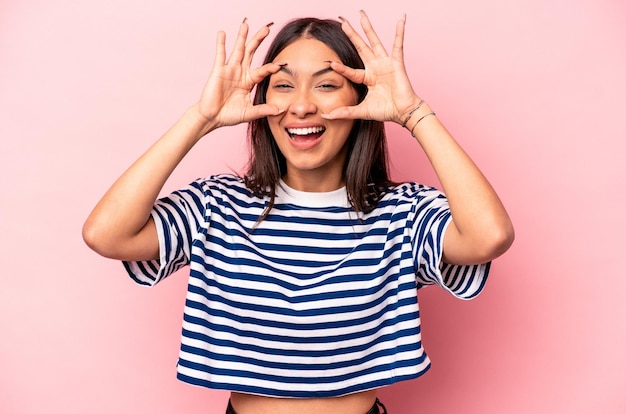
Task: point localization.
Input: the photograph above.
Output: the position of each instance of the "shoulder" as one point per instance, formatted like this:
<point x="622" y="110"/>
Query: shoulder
<point x="228" y="189"/>
<point x="222" y="179"/>
<point x="220" y="184"/>
<point x="412" y="192"/>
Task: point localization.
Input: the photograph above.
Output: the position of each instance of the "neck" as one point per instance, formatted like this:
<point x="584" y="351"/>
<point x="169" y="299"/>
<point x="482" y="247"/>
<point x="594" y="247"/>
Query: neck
<point x="313" y="183"/>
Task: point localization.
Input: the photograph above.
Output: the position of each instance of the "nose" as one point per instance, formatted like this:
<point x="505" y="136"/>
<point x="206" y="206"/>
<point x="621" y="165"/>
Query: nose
<point x="302" y="105"/>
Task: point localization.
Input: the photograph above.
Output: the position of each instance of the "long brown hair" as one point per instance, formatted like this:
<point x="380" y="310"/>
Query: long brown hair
<point x="365" y="169"/>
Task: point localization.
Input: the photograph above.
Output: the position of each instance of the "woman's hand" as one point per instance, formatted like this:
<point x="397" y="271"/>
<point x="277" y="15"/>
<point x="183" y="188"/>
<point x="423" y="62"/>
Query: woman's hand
<point x="390" y="96"/>
<point x="120" y="226"/>
<point x="225" y="99"/>
<point x="481" y="229"/>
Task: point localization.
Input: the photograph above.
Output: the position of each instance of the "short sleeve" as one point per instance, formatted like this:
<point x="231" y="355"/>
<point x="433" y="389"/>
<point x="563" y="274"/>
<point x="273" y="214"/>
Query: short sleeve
<point x="432" y="218"/>
<point x="178" y="218"/>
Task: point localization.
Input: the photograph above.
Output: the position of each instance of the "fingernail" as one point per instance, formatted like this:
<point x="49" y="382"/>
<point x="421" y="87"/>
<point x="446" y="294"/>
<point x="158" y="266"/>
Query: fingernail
<point x="281" y="63"/>
<point x="270" y="24"/>
<point x="245" y="19"/>
<point x="277" y="112"/>
<point x="342" y="19"/>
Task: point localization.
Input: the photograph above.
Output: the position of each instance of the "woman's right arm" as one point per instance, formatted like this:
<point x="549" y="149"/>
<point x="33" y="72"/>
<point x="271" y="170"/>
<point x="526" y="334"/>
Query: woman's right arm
<point x="120" y="226"/>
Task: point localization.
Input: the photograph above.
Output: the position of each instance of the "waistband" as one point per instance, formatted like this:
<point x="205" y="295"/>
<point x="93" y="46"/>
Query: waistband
<point x="374" y="410"/>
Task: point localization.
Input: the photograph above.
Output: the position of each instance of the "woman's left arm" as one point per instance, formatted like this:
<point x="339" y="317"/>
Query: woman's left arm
<point x="481" y="229"/>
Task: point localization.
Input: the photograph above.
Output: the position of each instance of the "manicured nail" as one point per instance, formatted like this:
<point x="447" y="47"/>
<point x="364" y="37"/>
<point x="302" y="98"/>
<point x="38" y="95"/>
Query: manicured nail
<point x="245" y="19"/>
<point x="281" y="63"/>
<point x="270" y="24"/>
<point x="342" y="19"/>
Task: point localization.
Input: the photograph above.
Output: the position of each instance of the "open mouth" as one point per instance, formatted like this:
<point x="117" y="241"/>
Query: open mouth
<point x="306" y="133"/>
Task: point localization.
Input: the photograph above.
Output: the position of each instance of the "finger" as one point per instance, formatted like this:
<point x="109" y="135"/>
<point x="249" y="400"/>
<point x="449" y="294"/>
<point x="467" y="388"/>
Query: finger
<point x="220" y="49"/>
<point x="354" y="75"/>
<point x="362" y="48"/>
<point x="254" y="44"/>
<point x="261" y="111"/>
<point x="375" y="43"/>
<point x="240" y="44"/>
<point x="397" y="51"/>
<point x="260" y="73"/>
<point x="345" y="112"/>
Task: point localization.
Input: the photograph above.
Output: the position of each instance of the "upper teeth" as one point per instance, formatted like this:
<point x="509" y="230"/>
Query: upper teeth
<point x="305" y="131"/>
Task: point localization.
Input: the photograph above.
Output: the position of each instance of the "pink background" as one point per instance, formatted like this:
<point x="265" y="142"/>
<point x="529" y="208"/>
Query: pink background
<point x="535" y="90"/>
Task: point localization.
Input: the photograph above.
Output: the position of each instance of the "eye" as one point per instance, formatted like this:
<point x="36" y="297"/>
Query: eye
<point x="283" y="86"/>
<point x="328" y="86"/>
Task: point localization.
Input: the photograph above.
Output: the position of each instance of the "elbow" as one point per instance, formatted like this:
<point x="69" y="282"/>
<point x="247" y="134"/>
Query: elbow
<point x="90" y="236"/>
<point x="94" y="238"/>
<point x="109" y="240"/>
<point x="482" y="244"/>
<point x="497" y="241"/>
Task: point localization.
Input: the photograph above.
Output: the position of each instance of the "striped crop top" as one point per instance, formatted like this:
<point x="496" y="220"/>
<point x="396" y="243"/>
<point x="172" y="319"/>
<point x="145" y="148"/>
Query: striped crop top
<point x="314" y="301"/>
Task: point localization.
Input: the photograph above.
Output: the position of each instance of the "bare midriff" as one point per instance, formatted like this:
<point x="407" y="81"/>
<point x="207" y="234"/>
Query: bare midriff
<point x="357" y="403"/>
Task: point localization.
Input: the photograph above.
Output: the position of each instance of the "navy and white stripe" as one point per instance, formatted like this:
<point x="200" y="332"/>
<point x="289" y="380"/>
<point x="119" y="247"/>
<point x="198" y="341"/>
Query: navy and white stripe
<point x="315" y="301"/>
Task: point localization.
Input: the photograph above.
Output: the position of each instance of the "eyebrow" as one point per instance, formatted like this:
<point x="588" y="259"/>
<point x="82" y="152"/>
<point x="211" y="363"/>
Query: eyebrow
<point x="318" y="73"/>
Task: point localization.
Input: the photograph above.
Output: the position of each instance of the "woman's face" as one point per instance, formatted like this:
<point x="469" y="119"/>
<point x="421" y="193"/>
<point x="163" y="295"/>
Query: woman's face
<point x="305" y="88"/>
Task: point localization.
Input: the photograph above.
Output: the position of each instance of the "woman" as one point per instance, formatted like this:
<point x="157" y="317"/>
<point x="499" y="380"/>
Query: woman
<point x="304" y="273"/>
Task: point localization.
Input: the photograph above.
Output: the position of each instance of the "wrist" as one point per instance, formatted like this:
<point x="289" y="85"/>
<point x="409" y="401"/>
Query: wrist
<point x="417" y="116"/>
<point x="195" y="119"/>
<point x="406" y="115"/>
